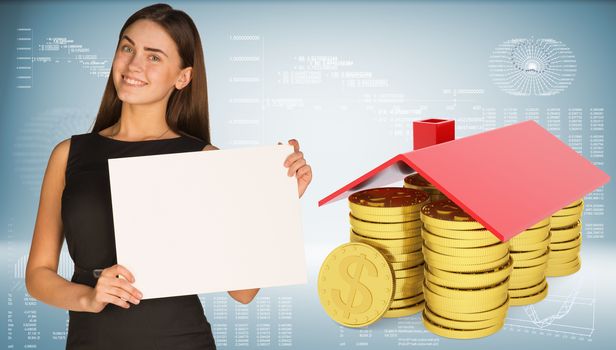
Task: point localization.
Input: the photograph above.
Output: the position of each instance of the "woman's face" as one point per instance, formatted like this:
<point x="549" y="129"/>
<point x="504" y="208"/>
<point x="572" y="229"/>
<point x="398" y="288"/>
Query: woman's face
<point x="146" y="66"/>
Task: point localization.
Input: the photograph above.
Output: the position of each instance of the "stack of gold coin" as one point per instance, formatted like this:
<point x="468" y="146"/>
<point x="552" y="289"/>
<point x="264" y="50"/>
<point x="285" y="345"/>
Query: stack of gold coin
<point x="388" y="220"/>
<point x="566" y="240"/>
<point x="467" y="271"/>
<point x="530" y="252"/>
<point x="418" y="182"/>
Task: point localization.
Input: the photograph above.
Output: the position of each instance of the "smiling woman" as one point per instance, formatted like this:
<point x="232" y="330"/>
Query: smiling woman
<point x="155" y="102"/>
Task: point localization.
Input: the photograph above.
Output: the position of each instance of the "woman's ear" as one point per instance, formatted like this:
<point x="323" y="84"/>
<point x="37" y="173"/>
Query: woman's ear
<point x="184" y="78"/>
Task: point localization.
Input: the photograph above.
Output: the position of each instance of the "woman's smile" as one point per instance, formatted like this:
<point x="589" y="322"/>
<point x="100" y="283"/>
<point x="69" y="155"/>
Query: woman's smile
<point x="133" y="82"/>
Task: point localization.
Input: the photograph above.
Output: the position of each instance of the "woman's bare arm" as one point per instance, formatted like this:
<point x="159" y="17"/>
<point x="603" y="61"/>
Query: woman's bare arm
<point x="42" y="279"/>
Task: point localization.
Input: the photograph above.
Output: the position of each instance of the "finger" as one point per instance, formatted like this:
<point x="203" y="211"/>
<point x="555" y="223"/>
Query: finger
<point x="124" y="295"/>
<point x="105" y="295"/>
<point x="128" y="287"/>
<point x="295" y="144"/>
<point x="111" y="299"/>
<point x="296" y="165"/>
<point x="303" y="171"/>
<point x="292" y="158"/>
<point x="121" y="270"/>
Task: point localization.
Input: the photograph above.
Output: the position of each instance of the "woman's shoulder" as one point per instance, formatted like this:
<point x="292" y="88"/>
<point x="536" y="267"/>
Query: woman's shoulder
<point x="62" y="148"/>
<point x="59" y="159"/>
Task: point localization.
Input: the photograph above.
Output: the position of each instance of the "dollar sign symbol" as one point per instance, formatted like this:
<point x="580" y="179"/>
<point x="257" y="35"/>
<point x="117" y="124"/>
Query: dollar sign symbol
<point x="360" y="262"/>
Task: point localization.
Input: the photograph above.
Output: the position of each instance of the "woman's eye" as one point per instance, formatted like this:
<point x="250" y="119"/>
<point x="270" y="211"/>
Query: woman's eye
<point x="129" y="49"/>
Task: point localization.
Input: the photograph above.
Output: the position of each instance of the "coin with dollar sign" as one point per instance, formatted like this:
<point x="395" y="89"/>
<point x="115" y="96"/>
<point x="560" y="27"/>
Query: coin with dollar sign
<point x="356" y="284"/>
<point x="448" y="215"/>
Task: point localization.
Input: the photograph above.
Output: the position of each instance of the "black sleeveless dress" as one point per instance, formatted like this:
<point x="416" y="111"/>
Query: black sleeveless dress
<point x="161" y="323"/>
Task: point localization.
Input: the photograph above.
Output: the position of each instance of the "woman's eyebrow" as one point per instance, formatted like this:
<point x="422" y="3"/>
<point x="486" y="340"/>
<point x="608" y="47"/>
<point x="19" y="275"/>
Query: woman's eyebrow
<point x="145" y="48"/>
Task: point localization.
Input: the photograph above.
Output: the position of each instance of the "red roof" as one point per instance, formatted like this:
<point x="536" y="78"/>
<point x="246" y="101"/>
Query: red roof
<point x="507" y="179"/>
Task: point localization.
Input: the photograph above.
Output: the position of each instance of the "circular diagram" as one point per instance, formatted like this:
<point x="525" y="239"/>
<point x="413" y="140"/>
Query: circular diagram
<point x="539" y="67"/>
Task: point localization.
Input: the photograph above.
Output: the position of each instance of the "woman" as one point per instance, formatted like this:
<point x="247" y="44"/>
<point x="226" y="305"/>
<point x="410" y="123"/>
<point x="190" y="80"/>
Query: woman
<point x="155" y="102"/>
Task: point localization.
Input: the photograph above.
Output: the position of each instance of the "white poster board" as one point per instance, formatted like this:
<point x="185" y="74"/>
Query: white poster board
<point x="208" y="221"/>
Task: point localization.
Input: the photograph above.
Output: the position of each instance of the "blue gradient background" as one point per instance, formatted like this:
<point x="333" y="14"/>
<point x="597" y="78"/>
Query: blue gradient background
<point x="422" y="49"/>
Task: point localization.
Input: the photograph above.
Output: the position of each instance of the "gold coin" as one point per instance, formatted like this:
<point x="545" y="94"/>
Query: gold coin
<point x="455" y="243"/>
<point x="484" y="236"/>
<point x="400" y="250"/>
<point x="407" y="286"/>
<point x="458" y="267"/>
<point x="406" y="294"/>
<point x="386" y="243"/>
<point x="387" y="218"/>
<point x="575" y="210"/>
<point x="395" y="265"/>
<point x="531" y="299"/>
<point x="527" y="271"/>
<point x="532" y="236"/>
<point x="385" y="235"/>
<point x="563" y="221"/>
<point x="463" y="260"/>
<point x="555" y="272"/>
<point x="564" y="264"/>
<point x="406" y="302"/>
<point x="541" y="223"/>
<point x="564" y="259"/>
<point x="387" y="201"/>
<point x="532" y="254"/>
<point x="559" y="254"/>
<point x="531" y="262"/>
<point x="388" y="249"/>
<point x="404" y="311"/>
<point x="531" y="290"/>
<point x="419" y="182"/>
<point x="499" y="312"/>
<point x="459" y="293"/>
<point x="525" y="247"/>
<point x="525" y="282"/>
<point x="566" y="233"/>
<point x="465" y="325"/>
<point x="567" y="244"/>
<point x="574" y="203"/>
<point x="415" y="256"/>
<point x="384" y="230"/>
<point x="430" y="192"/>
<point x="404" y="265"/>
<point x="528" y="278"/>
<point x="459" y="297"/>
<point x="410" y="272"/>
<point x="469" y="279"/>
<point x="460" y="333"/>
<point x="446" y="214"/>
<point x="355" y="285"/>
<point x="498" y="249"/>
<point x="469" y="305"/>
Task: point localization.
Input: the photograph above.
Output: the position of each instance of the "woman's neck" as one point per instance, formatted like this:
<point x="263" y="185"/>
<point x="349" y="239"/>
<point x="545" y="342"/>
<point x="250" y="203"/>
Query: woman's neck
<point x="140" y="121"/>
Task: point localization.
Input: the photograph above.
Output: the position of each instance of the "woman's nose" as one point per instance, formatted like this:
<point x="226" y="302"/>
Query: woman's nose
<point x="137" y="62"/>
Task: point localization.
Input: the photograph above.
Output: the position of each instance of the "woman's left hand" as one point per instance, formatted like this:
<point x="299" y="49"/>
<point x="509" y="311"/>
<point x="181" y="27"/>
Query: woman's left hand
<point x="297" y="166"/>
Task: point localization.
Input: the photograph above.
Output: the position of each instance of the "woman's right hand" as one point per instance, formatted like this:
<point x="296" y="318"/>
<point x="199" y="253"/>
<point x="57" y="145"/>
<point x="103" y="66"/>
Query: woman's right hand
<point x="112" y="289"/>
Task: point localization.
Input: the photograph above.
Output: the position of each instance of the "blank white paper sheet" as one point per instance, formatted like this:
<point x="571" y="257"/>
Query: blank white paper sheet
<point x="200" y="222"/>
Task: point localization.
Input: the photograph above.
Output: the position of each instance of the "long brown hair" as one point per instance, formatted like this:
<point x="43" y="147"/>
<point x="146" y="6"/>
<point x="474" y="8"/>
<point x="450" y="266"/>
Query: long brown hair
<point x="187" y="109"/>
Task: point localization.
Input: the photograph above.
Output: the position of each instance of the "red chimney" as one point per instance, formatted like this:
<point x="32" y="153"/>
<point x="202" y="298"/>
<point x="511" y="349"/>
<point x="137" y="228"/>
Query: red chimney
<point x="429" y="132"/>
